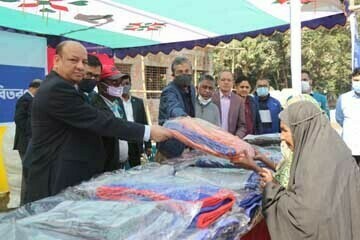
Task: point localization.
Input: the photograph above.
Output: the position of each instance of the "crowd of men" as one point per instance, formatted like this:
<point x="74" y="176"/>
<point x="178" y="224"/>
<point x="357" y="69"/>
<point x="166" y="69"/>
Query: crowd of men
<point x="69" y="133"/>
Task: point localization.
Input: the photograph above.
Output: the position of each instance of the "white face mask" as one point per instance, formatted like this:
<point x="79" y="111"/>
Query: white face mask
<point x="203" y="101"/>
<point x="356" y="86"/>
<point x="114" y="91"/>
<point x="305" y="87"/>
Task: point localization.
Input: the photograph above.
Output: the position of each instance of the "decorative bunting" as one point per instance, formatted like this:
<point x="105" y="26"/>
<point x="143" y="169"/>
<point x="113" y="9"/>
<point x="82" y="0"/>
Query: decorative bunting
<point x="79" y="3"/>
<point x="43" y="3"/>
<point x="144" y="26"/>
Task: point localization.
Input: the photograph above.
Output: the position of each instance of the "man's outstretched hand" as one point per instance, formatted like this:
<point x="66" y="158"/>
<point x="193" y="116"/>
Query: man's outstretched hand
<point x="159" y="133"/>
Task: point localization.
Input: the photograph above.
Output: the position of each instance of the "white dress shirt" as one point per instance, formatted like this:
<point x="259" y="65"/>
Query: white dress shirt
<point x="128" y="110"/>
<point x="225" y="107"/>
<point x="348" y="116"/>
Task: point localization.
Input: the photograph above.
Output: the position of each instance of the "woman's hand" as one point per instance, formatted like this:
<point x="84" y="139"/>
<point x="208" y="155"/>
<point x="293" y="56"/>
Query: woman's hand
<point x="259" y="156"/>
<point x="245" y="161"/>
<point x="265" y="160"/>
<point x="266" y="177"/>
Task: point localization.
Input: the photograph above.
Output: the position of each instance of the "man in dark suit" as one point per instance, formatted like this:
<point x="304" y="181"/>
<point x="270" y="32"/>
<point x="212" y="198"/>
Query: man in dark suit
<point x="109" y="145"/>
<point x="231" y="106"/>
<point x="109" y="100"/>
<point x="23" y="129"/>
<point x="66" y="128"/>
<point x="177" y="100"/>
<point x="23" y="118"/>
<point x="135" y="112"/>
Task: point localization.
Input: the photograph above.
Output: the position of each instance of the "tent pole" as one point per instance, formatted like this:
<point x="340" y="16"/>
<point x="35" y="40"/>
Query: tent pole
<point x="354" y="37"/>
<point x="295" y="32"/>
<point x="195" y="69"/>
<point x="146" y="101"/>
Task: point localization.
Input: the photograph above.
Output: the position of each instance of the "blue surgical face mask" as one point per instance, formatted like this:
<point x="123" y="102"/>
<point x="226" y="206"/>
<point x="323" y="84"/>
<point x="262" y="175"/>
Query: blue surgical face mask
<point x="356" y="86"/>
<point x="262" y="91"/>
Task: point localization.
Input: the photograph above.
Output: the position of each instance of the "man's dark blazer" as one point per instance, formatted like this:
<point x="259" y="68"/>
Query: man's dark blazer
<point x="110" y="144"/>
<point x="65" y="138"/>
<point x="23" y="123"/>
<point x="136" y="148"/>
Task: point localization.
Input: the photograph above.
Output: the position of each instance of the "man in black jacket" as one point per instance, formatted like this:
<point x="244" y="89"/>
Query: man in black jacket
<point x="66" y="128"/>
<point x="23" y="129"/>
<point x="23" y="118"/>
<point x="135" y="112"/>
<point x="109" y="145"/>
<point x="108" y="100"/>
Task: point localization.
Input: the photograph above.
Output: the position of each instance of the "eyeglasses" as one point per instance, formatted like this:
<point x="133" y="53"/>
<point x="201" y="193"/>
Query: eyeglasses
<point x="247" y="87"/>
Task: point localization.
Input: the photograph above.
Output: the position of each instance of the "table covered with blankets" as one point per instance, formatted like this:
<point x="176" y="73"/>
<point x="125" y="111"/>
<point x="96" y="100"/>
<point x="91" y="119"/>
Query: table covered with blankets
<point x="195" y="196"/>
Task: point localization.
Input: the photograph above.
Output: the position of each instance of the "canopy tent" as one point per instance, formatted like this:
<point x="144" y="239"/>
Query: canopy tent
<point x="132" y="27"/>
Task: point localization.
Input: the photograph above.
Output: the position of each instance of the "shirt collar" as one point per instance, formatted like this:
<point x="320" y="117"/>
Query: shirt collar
<point x="225" y="96"/>
<point x="126" y="101"/>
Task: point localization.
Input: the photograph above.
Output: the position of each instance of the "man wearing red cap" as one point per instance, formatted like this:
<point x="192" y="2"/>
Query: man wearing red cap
<point x="109" y="100"/>
<point x="66" y="128"/>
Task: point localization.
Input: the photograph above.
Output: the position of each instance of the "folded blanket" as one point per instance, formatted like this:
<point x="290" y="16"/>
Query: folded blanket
<point x="109" y="220"/>
<point x="213" y="162"/>
<point x="230" y="178"/>
<point x="251" y="203"/>
<point x="204" y="136"/>
<point x="214" y="201"/>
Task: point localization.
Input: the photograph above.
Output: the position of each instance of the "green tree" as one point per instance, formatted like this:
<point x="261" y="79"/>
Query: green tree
<point x="325" y="53"/>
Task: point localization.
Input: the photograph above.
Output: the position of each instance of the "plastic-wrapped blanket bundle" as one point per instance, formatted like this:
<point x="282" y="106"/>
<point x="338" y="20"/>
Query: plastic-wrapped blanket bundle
<point x="145" y="202"/>
<point x="144" y="173"/>
<point x="105" y="220"/>
<point x="209" y="161"/>
<point x="251" y="203"/>
<point x="264" y="139"/>
<point x="204" y="136"/>
<point x="228" y="227"/>
<point x="231" y="178"/>
<point x="187" y="158"/>
<point x="214" y="201"/>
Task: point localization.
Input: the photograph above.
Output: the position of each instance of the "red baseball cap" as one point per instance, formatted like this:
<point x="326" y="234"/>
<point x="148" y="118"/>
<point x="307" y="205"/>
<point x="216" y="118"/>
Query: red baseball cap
<point x="111" y="72"/>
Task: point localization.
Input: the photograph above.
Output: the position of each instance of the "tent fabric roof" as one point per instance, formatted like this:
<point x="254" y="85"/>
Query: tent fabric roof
<point x="327" y="22"/>
<point x="141" y="26"/>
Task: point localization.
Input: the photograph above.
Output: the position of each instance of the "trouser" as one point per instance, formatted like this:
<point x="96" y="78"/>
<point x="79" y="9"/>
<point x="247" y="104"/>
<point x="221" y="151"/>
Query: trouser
<point x="23" y="179"/>
<point x="357" y="158"/>
<point x="25" y="172"/>
<point x="4" y="200"/>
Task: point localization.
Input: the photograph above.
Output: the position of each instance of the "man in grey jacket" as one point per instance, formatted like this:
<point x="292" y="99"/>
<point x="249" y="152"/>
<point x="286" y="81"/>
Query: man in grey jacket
<point x="204" y="107"/>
